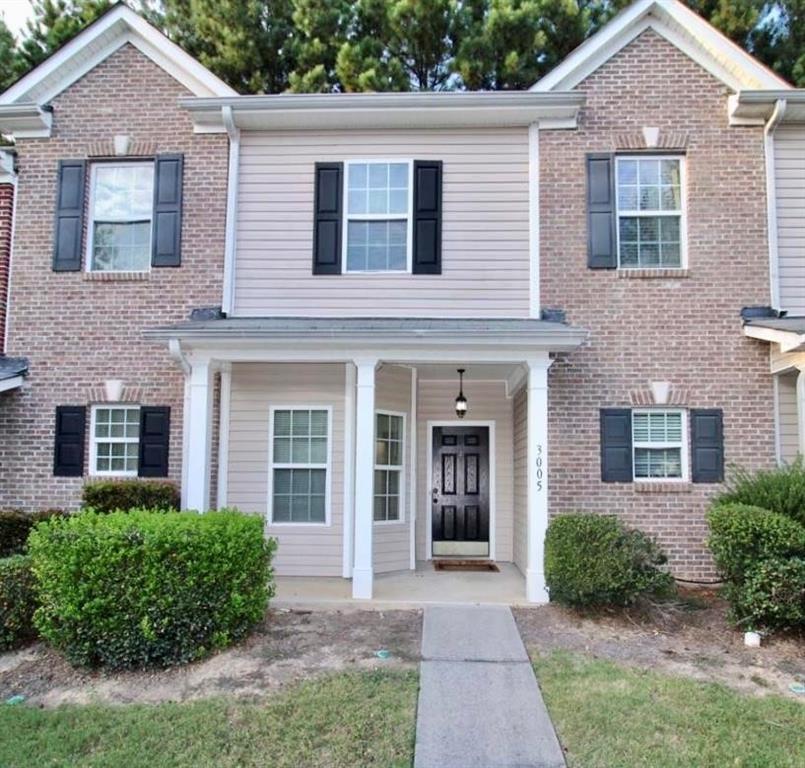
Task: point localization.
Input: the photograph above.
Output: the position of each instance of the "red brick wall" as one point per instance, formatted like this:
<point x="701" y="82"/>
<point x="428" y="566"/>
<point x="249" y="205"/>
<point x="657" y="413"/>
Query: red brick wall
<point x="6" y="218"/>
<point x="685" y="331"/>
<point x="77" y="332"/>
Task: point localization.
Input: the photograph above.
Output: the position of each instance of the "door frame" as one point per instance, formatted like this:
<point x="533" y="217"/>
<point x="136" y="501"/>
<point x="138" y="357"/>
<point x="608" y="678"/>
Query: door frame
<point x="492" y="486"/>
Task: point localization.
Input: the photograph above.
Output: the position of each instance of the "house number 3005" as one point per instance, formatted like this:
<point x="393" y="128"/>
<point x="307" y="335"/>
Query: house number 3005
<point x="539" y="467"/>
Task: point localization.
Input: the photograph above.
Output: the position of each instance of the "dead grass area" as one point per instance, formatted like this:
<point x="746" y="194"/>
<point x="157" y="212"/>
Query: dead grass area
<point x="691" y="638"/>
<point x="287" y="647"/>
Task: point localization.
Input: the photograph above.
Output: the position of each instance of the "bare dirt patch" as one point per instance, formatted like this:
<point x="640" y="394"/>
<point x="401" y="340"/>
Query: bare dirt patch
<point x="288" y="646"/>
<point x="693" y="639"/>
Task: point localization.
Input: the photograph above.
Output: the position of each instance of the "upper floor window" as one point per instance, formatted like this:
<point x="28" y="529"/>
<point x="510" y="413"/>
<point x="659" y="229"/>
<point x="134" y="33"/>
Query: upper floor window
<point x="378" y="217"/>
<point x="651" y="212"/>
<point x="120" y="217"/>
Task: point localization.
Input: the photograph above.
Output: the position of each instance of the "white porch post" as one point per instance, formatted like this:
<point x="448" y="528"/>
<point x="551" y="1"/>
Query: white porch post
<point x="364" y="477"/>
<point x="801" y="408"/>
<point x="537" y="477"/>
<point x="198" y="420"/>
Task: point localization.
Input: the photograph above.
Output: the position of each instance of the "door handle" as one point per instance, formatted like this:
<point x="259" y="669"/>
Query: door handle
<point x="435" y="496"/>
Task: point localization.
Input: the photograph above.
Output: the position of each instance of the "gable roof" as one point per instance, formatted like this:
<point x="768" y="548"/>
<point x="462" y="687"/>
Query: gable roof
<point x="683" y="28"/>
<point x="109" y="32"/>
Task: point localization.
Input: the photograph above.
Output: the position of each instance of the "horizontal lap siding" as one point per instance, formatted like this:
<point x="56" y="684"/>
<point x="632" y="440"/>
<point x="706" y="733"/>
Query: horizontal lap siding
<point x="520" y="516"/>
<point x="485" y="264"/>
<point x="392" y="541"/>
<point x="789" y="166"/>
<point x="303" y="550"/>
<point x="787" y="416"/>
<point x="487" y="402"/>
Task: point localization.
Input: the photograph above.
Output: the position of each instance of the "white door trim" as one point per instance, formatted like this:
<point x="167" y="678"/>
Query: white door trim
<point x="492" y="485"/>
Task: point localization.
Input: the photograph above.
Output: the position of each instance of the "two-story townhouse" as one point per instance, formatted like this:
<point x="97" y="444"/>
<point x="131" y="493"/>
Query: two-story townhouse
<point x="426" y="323"/>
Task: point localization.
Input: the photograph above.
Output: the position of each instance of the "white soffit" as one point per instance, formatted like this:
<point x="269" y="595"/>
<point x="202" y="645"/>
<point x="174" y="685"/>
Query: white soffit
<point x="683" y="28"/>
<point x="108" y="33"/>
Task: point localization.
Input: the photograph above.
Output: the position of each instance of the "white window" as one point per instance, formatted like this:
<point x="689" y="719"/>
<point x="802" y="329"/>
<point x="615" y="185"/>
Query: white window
<point x="115" y="444"/>
<point x="120" y="213"/>
<point x="299" y="465"/>
<point x="651" y="216"/>
<point x="389" y="451"/>
<point x="378" y="216"/>
<point x="659" y="442"/>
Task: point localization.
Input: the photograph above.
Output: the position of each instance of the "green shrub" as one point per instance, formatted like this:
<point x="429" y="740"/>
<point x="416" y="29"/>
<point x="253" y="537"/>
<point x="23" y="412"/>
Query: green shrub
<point x="111" y="495"/>
<point x="772" y="596"/>
<point x="142" y="588"/>
<point x="741" y="536"/>
<point x="594" y="560"/>
<point x="17" y="602"/>
<point x="15" y="525"/>
<point x="780" y="490"/>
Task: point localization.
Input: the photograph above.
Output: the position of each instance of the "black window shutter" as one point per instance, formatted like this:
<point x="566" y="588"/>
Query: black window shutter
<point x="427" y="217"/>
<point x="616" y="445"/>
<point x="328" y="210"/>
<point x="601" y="212"/>
<point x="166" y="241"/>
<point x="707" y="445"/>
<point x="154" y="441"/>
<point x="69" y="228"/>
<point x="68" y="452"/>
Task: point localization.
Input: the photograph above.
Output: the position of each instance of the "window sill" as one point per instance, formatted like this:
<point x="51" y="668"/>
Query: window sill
<point x="649" y="274"/>
<point x="661" y="487"/>
<point x="117" y="277"/>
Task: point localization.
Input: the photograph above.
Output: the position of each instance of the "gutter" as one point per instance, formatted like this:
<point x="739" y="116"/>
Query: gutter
<point x="771" y="200"/>
<point x="230" y="235"/>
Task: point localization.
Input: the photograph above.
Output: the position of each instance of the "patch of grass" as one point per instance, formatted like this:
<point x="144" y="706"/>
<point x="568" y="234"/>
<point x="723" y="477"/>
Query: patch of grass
<point x="357" y="719"/>
<point x="608" y="716"/>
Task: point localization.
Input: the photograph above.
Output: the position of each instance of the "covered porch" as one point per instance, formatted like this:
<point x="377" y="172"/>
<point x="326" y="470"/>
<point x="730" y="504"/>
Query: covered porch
<point x="344" y="434"/>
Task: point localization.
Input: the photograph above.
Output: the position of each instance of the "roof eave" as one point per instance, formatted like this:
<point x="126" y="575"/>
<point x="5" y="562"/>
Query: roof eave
<point x="755" y="107"/>
<point x="25" y="121"/>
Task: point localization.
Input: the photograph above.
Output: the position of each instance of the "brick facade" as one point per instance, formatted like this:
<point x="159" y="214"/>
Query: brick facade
<point x="78" y="332"/>
<point x="6" y="218"/>
<point x="683" y="331"/>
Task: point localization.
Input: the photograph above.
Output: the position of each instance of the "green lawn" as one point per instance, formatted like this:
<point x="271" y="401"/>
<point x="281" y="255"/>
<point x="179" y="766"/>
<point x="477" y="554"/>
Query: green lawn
<point x="609" y="716"/>
<point x="359" y="719"/>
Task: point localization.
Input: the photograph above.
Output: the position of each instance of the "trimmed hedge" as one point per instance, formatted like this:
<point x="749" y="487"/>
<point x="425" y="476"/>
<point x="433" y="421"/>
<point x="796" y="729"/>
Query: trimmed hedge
<point x="15" y="525"/>
<point x="113" y="495"/>
<point x="772" y="594"/>
<point x="594" y="560"/>
<point x="141" y="588"/>
<point x="781" y="490"/>
<point x="17" y="602"/>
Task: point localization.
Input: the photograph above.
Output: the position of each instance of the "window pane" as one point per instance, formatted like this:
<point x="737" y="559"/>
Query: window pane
<point x="282" y="507"/>
<point x="380" y="508"/>
<point x="398" y="201"/>
<point x="627" y="172"/>
<point x="300" y="423"/>
<point x="628" y="229"/>
<point x="282" y="450"/>
<point x="318" y="423"/>
<point x="300" y="509"/>
<point x="649" y="172"/>
<point x="123" y="193"/>
<point x="381" y="480"/>
<point x="282" y="481"/>
<point x="318" y="479"/>
<point x="393" y="508"/>
<point x="670" y="255"/>
<point x="121" y="247"/>
<point x="670" y="172"/>
<point x="398" y="176"/>
<point x="649" y="198"/>
<point x="318" y="450"/>
<point x="282" y="422"/>
<point x="358" y="201"/>
<point x="378" y="175"/>
<point x="378" y="201"/>
<point x="377" y="246"/>
<point x="671" y="199"/>
<point x="300" y="451"/>
<point x="627" y="198"/>
<point x="640" y="427"/>
<point x="395" y="427"/>
<point x="317" y="510"/>
<point x="358" y="175"/>
<point x="395" y="453"/>
<point x="393" y="481"/>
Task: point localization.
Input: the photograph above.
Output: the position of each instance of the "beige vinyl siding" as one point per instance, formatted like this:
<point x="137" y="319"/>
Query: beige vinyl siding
<point x="520" y="515"/>
<point x="485" y="259"/>
<point x="392" y="545"/>
<point x="487" y="402"/>
<point x="789" y="169"/>
<point x="304" y="550"/>
<point x="787" y="416"/>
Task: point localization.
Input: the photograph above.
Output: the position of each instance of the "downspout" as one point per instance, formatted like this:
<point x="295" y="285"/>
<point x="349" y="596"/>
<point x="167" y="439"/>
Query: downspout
<point x="230" y="237"/>
<point x="175" y="350"/>
<point x="771" y="200"/>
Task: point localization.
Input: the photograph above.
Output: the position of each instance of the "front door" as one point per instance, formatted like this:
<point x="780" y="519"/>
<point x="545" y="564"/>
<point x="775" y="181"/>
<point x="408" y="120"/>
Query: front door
<point x="460" y="493"/>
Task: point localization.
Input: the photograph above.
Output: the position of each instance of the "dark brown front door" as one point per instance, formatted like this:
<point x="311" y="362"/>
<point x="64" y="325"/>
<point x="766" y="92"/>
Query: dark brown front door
<point x="460" y="493"/>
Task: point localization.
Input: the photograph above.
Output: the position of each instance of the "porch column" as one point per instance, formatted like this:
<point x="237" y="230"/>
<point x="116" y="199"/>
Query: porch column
<point x="801" y="408"/>
<point x="537" y="477"/>
<point x="364" y="476"/>
<point x="198" y="421"/>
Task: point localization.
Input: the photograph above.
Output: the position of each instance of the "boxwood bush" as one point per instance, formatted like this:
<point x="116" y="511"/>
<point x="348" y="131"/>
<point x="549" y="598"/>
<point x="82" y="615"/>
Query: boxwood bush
<point x="772" y="594"/>
<point x="112" y="495"/>
<point x="594" y="560"/>
<point x="15" y="525"/>
<point x="781" y="490"/>
<point x="142" y="588"/>
<point x="17" y="602"/>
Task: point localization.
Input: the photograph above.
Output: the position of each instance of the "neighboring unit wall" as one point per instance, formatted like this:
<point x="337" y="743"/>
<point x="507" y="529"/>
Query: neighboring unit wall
<point x="78" y="332"/>
<point x="485" y="258"/>
<point x="789" y="171"/>
<point x="520" y="550"/>
<point x="684" y="330"/>
<point x="787" y="416"/>
<point x="304" y="550"/>
<point x="487" y="402"/>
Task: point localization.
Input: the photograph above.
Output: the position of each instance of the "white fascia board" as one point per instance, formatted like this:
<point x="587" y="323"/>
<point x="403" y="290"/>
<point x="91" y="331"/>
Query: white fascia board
<point x="755" y="107"/>
<point x="25" y="121"/>
<point x="12" y="383"/>
<point x="787" y="340"/>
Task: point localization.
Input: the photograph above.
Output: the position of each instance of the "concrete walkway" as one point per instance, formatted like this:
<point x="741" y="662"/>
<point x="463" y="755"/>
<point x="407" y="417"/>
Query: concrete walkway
<point x="479" y="703"/>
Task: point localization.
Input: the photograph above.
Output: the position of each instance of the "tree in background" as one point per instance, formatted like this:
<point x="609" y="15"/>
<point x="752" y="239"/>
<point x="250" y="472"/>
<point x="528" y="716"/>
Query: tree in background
<point x="779" y="40"/>
<point x="8" y="53"/>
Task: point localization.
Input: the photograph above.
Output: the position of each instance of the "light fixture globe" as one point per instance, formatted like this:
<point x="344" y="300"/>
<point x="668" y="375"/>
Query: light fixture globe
<point x="461" y="401"/>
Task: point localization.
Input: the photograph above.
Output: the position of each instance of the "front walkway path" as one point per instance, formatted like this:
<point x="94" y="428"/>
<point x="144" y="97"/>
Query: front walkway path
<point x="479" y="703"/>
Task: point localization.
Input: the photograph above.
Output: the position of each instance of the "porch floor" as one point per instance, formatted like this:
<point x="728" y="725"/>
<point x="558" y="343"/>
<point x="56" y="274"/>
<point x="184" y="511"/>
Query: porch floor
<point x="424" y="586"/>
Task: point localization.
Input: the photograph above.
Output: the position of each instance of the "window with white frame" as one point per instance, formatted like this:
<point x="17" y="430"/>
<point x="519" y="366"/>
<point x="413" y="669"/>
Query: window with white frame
<point x="389" y="445"/>
<point x="120" y="216"/>
<point x="378" y="216"/>
<point x="650" y="212"/>
<point x="658" y="440"/>
<point x="115" y="445"/>
<point x="300" y="452"/>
